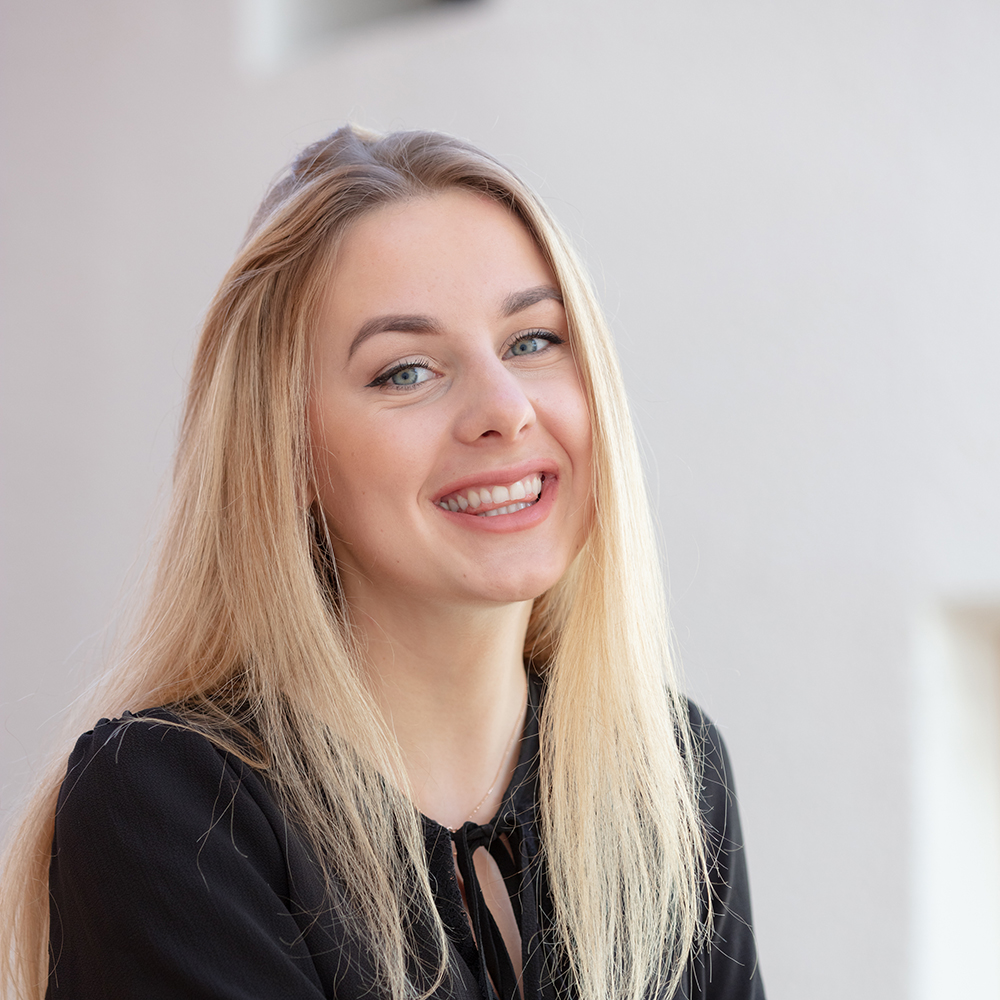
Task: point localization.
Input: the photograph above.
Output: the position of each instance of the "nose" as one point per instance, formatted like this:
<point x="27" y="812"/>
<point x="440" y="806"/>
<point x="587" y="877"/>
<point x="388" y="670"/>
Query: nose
<point x="494" y="405"/>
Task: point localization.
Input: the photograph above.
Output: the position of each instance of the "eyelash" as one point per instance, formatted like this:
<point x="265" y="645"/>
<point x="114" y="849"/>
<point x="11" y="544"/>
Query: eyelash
<point x="383" y="379"/>
<point x="402" y="366"/>
<point x="552" y="338"/>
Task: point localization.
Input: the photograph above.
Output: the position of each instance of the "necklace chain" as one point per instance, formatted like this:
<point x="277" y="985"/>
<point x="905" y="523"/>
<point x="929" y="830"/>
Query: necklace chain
<point x="503" y="760"/>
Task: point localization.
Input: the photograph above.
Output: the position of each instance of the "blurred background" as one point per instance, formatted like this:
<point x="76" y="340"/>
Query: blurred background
<point x="792" y="213"/>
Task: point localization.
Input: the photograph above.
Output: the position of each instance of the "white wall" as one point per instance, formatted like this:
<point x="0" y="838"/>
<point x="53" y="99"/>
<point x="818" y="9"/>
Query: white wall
<point x="956" y="802"/>
<point x="792" y="212"/>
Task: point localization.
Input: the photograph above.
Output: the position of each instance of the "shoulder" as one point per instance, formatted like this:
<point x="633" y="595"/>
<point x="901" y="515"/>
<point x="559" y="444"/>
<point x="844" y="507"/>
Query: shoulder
<point x="161" y="838"/>
<point x="130" y="757"/>
<point x="727" y="968"/>
<point x="152" y="739"/>
<point x="717" y="791"/>
<point x="144" y="783"/>
<point x="708" y="740"/>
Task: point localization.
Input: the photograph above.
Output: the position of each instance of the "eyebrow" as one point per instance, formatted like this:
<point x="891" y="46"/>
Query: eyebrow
<point x="514" y="303"/>
<point x="397" y="324"/>
<point x="517" y="301"/>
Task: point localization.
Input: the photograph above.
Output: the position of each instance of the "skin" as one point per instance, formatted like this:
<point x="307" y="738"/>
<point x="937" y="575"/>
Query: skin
<point x="482" y="390"/>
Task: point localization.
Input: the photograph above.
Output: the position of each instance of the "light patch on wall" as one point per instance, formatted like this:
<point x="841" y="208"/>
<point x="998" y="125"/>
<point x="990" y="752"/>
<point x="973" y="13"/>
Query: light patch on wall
<point x="956" y="845"/>
<point x="274" y="33"/>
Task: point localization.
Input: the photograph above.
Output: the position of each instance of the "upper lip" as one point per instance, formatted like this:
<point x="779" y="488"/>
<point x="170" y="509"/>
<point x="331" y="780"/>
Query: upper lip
<point x="499" y="477"/>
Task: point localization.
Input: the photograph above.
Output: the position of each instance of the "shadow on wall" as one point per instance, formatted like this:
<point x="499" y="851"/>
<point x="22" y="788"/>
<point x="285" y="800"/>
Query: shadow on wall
<point x="274" y="33"/>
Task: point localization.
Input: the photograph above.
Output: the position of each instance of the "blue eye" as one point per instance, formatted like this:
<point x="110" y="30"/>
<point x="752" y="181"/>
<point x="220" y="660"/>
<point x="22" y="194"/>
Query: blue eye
<point x="527" y="346"/>
<point x="413" y="375"/>
<point x="403" y="376"/>
<point x="533" y="343"/>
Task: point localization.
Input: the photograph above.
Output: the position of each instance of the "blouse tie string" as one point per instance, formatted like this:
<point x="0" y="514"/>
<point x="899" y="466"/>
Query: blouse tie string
<point x="495" y="965"/>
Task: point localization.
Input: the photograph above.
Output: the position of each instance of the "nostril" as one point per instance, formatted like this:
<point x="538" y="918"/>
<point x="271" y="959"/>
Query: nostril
<point x="493" y="407"/>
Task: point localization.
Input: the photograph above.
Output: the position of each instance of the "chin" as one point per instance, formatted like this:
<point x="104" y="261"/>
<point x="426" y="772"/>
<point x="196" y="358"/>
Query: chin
<point x="525" y="587"/>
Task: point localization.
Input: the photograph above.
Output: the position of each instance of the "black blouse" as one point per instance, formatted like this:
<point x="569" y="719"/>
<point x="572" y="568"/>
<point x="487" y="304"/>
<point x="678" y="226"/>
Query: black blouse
<point x="174" y="874"/>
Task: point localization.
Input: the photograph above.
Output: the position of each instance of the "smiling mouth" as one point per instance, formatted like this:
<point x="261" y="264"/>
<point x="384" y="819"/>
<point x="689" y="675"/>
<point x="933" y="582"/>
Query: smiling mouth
<point x="492" y="501"/>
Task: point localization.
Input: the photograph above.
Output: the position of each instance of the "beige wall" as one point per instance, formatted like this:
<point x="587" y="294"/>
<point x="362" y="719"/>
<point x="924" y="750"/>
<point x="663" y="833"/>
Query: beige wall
<point x="792" y="213"/>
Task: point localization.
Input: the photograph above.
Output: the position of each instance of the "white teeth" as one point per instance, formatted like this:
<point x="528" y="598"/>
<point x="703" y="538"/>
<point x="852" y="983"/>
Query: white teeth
<point x="504" y="510"/>
<point x="529" y="486"/>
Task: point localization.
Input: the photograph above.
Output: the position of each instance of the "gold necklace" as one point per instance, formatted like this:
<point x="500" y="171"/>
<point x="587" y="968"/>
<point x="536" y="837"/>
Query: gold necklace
<point x="518" y="724"/>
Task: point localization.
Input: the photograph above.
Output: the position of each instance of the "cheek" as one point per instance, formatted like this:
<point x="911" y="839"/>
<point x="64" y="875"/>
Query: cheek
<point x="574" y="429"/>
<point x="322" y="452"/>
<point x="364" y="466"/>
<point x="335" y="463"/>
<point x="575" y="432"/>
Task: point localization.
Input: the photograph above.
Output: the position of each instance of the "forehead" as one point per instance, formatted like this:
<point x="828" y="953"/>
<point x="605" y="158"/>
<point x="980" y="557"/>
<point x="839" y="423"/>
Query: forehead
<point x="448" y="247"/>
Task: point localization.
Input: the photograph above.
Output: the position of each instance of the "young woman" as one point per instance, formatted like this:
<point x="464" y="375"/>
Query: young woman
<point x="417" y="733"/>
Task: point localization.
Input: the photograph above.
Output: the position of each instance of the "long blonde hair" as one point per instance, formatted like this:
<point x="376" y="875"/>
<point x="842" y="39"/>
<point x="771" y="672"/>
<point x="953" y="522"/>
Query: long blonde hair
<point x="243" y="636"/>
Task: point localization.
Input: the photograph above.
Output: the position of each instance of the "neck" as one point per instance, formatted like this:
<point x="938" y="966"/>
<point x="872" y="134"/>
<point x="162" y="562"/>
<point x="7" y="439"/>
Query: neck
<point x="452" y="686"/>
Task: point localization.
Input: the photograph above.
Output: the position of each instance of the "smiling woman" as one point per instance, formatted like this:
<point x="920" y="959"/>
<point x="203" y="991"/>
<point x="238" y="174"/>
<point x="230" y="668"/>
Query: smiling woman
<point x="468" y="391"/>
<point x="405" y="721"/>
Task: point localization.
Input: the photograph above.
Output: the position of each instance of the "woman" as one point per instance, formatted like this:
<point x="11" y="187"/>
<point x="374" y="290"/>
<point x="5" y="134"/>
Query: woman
<point x="418" y="732"/>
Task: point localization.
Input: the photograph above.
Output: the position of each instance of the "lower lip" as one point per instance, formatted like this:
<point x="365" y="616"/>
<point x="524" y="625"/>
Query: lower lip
<point x="520" y="520"/>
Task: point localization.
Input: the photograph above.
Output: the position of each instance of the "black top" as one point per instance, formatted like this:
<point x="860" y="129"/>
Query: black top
<point x="175" y="875"/>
